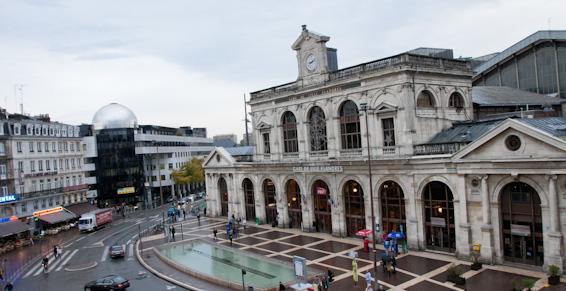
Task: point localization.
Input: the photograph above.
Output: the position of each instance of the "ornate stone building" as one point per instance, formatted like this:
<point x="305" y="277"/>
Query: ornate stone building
<point x="444" y="180"/>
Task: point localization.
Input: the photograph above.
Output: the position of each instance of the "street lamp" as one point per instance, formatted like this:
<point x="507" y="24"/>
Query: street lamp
<point x="365" y="109"/>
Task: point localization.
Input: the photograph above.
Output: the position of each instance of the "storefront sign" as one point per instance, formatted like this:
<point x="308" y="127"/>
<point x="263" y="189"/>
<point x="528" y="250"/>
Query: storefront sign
<point x="126" y="190"/>
<point x="47" y="211"/>
<point x="6" y="219"/>
<point x="8" y="198"/>
<point x="91" y="194"/>
<point x="318" y="169"/>
<point x="438" y="221"/>
<point x="520" y="230"/>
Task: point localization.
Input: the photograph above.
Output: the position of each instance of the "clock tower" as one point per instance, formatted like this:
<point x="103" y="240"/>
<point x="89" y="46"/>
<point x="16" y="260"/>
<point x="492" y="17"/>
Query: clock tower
<point x="315" y="60"/>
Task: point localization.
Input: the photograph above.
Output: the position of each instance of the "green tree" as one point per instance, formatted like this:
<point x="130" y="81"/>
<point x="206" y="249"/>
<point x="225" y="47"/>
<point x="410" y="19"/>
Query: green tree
<point x="189" y="173"/>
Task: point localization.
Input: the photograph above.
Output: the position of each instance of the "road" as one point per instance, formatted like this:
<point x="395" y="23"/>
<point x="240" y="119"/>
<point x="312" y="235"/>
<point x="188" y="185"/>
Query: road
<point x="71" y="271"/>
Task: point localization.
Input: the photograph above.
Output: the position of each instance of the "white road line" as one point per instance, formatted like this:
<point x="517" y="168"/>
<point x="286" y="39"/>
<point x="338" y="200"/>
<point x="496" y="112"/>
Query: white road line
<point x="66" y="260"/>
<point x="80" y="238"/>
<point x="129" y="241"/>
<point x="57" y="261"/>
<point x="104" y="254"/>
<point x="40" y="269"/>
<point x="32" y="270"/>
<point x="131" y="250"/>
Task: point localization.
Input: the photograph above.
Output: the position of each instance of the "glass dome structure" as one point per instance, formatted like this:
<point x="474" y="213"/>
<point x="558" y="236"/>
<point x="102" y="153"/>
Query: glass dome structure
<point x="114" y="115"/>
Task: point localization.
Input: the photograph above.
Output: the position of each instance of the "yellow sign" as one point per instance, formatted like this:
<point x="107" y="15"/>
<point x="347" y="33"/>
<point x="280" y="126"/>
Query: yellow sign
<point x="47" y="211"/>
<point x="126" y="190"/>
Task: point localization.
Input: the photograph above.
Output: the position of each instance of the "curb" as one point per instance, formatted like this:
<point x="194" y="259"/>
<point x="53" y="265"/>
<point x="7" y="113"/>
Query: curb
<point x="82" y="269"/>
<point x="160" y="275"/>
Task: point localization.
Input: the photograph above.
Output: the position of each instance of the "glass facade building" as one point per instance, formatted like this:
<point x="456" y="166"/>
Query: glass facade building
<point x="536" y="64"/>
<point x="119" y="169"/>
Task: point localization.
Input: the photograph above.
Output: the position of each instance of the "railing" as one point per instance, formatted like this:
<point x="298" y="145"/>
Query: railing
<point x="75" y="188"/>
<point x="351" y="153"/>
<point x="318" y="154"/>
<point x="290" y="155"/>
<point x="40" y="193"/>
<point x="387" y="151"/>
<point x="402" y="59"/>
<point x="436" y="149"/>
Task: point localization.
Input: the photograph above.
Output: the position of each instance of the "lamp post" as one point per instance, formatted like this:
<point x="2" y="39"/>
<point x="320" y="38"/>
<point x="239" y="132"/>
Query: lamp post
<point x="365" y="109"/>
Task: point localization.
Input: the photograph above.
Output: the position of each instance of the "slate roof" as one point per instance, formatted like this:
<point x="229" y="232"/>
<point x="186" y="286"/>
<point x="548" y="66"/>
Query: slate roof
<point x="464" y="132"/>
<point x="240" y="151"/>
<point x="555" y="126"/>
<point x="506" y="96"/>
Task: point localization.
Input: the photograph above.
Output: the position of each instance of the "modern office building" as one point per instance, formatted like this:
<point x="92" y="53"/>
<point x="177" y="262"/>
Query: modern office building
<point x="41" y="165"/>
<point x="446" y="181"/>
<point x="133" y="163"/>
<point x="536" y="63"/>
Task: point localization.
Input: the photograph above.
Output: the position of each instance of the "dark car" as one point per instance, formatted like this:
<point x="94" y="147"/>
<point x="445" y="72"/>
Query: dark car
<point x="117" y="251"/>
<point x="110" y="282"/>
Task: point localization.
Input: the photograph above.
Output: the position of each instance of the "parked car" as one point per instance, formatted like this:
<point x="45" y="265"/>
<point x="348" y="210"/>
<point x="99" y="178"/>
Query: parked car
<point x="110" y="282"/>
<point x="117" y="251"/>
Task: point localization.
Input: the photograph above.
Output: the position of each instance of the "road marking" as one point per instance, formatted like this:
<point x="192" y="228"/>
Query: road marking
<point x="80" y="238"/>
<point x="57" y="261"/>
<point x="170" y="287"/>
<point x="32" y="270"/>
<point x="66" y="260"/>
<point x="129" y="241"/>
<point x="131" y="250"/>
<point x="40" y="269"/>
<point x="68" y="245"/>
<point x="104" y="254"/>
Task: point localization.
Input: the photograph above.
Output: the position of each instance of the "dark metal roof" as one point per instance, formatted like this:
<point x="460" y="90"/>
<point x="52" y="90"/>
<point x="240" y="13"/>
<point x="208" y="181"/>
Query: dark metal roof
<point x="506" y="96"/>
<point x="13" y="227"/>
<point x="81" y="208"/>
<point x="464" y="132"/>
<point x="240" y="151"/>
<point x="555" y="126"/>
<point x="521" y="45"/>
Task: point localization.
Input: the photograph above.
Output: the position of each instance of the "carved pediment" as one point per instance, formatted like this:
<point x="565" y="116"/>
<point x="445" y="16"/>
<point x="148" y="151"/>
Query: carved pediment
<point x="219" y="157"/>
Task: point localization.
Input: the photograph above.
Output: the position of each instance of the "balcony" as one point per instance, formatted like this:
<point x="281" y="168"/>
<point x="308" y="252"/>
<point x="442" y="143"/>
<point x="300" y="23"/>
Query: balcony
<point x="437" y="149"/>
<point x="41" y="193"/>
<point x="75" y="188"/>
<point x="351" y="153"/>
<point x="389" y="151"/>
<point x="290" y="155"/>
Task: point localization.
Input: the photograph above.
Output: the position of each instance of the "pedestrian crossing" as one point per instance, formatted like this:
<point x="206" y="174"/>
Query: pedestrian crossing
<point x="56" y="265"/>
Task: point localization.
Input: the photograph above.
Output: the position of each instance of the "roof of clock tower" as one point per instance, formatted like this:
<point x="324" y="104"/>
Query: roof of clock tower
<point x="307" y="34"/>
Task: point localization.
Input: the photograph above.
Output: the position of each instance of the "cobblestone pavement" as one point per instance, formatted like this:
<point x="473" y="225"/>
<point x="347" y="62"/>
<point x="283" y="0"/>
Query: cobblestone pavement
<point x="415" y="270"/>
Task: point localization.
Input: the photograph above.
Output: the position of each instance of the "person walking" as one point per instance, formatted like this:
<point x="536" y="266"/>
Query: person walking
<point x="184" y="213"/>
<point x="198" y="218"/>
<point x="173" y="232"/>
<point x="368" y="281"/>
<point x="9" y="287"/>
<point x="55" y="252"/>
<point x="366" y="244"/>
<point x="281" y="287"/>
<point x="230" y="236"/>
<point x="215" y="232"/>
<point x="355" y="271"/>
<point x="394" y="264"/>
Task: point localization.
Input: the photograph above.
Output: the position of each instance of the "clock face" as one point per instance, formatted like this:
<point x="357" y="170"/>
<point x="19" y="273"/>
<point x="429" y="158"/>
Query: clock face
<point x="311" y="62"/>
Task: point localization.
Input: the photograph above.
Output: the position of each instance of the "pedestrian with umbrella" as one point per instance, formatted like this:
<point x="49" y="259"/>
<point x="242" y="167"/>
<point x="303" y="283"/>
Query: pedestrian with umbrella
<point x="355" y="271"/>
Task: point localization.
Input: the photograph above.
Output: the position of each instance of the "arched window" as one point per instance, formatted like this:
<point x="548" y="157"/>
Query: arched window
<point x="289" y="125"/>
<point x="425" y="100"/>
<point x="350" y="126"/>
<point x="317" y="129"/>
<point x="456" y="101"/>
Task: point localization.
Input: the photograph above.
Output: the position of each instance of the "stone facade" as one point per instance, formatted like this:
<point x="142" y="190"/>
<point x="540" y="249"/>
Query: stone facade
<point x="472" y="175"/>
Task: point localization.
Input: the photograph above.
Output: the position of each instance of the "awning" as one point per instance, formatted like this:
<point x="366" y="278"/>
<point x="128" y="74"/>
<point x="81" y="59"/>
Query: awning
<point x="13" y="227"/>
<point x="81" y="208"/>
<point x="57" y="217"/>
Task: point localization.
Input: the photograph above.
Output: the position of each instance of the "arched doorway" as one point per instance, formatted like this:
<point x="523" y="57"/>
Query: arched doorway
<point x="322" y="207"/>
<point x="294" y="204"/>
<point x="223" y="190"/>
<point x="248" y="187"/>
<point x="354" y="207"/>
<point x="392" y="207"/>
<point x="270" y="203"/>
<point x="521" y="224"/>
<point x="439" y="217"/>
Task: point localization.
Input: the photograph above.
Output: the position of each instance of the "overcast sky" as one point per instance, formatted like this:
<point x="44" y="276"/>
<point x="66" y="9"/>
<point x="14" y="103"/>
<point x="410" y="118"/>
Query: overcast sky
<point x="189" y="63"/>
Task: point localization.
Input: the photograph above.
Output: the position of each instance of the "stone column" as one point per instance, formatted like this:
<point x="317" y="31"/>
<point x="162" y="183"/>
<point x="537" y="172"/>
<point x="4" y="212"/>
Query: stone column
<point x="412" y="207"/>
<point x="486" y="252"/>
<point x="464" y="233"/>
<point x="553" y="247"/>
<point x="259" y="202"/>
<point x="284" y="213"/>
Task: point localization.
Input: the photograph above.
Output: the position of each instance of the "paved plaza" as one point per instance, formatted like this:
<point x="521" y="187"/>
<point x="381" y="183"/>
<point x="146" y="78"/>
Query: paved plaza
<point x="415" y="271"/>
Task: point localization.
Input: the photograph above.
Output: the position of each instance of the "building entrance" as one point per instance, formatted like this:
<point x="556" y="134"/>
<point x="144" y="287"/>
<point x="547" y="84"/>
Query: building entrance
<point x="392" y="207"/>
<point x="248" y="187"/>
<point x="270" y="202"/>
<point x="322" y="207"/>
<point x="439" y="217"/>
<point x="294" y="204"/>
<point x="223" y="189"/>
<point x="521" y="224"/>
<point x="354" y="207"/>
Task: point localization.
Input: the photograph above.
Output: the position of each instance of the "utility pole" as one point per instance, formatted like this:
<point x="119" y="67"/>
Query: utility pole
<point x="246" y="120"/>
